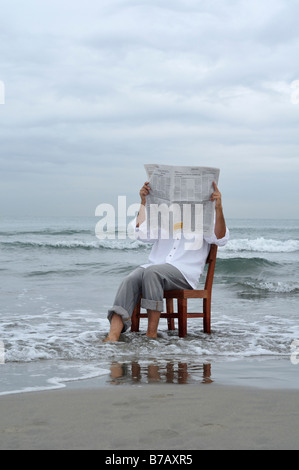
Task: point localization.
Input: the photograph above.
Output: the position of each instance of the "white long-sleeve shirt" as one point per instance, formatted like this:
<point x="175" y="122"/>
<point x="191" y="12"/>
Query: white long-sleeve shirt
<point x="190" y="263"/>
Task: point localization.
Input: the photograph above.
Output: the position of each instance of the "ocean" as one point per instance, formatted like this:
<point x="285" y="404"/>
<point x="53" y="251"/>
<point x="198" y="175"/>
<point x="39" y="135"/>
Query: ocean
<point x="58" y="281"/>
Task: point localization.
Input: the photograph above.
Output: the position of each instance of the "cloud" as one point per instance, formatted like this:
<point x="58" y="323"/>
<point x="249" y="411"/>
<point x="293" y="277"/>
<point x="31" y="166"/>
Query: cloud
<point x="95" y="90"/>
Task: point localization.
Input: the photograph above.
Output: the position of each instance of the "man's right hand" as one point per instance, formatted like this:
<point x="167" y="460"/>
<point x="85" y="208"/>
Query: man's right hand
<point x="144" y="192"/>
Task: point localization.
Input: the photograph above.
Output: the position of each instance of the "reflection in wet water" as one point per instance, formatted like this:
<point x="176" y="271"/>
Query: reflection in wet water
<point x="159" y="372"/>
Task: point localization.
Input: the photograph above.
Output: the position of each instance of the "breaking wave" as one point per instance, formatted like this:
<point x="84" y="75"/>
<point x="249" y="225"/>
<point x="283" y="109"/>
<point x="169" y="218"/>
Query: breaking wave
<point x="258" y="245"/>
<point x="262" y="245"/>
<point x="76" y="244"/>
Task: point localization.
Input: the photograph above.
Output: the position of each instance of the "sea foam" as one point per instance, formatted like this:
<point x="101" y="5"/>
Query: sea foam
<point x="262" y="245"/>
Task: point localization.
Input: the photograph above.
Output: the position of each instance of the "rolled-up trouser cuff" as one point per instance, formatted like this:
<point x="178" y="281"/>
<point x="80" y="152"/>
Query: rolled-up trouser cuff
<point x="155" y="305"/>
<point x="123" y="314"/>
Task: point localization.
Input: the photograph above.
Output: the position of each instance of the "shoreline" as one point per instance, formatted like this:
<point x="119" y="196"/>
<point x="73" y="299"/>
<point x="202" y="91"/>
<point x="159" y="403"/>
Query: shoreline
<point x="264" y="373"/>
<point x="151" y="417"/>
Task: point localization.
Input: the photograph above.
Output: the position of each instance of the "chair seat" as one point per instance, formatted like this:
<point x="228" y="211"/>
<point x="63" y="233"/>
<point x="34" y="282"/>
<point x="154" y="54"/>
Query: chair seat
<point x="186" y="294"/>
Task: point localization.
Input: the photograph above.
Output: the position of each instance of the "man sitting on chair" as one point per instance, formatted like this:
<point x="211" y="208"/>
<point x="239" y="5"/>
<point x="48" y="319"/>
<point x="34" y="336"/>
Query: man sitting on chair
<point x="171" y="266"/>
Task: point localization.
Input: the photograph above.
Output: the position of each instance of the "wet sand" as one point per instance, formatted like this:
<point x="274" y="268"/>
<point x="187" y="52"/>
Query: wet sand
<point x="151" y="417"/>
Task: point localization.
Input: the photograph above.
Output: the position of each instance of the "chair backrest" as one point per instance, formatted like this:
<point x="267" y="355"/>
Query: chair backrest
<point x="211" y="261"/>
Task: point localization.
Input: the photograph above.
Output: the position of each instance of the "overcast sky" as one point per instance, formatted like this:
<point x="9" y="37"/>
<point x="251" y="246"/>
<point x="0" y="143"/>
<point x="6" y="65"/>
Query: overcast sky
<point x="95" y="89"/>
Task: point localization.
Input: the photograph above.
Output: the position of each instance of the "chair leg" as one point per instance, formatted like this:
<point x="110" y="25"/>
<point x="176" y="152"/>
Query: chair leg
<point x="207" y="316"/>
<point x="170" y="310"/>
<point x="182" y="310"/>
<point x="136" y="319"/>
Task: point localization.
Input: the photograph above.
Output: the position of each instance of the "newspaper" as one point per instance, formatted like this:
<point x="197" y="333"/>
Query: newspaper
<point x="187" y="189"/>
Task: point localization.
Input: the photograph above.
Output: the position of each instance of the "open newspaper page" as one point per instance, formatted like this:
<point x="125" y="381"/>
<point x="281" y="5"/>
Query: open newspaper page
<point x="187" y="190"/>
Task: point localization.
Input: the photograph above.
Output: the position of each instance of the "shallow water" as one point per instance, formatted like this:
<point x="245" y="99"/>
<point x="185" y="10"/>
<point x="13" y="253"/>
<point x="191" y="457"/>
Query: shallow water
<point x="58" y="281"/>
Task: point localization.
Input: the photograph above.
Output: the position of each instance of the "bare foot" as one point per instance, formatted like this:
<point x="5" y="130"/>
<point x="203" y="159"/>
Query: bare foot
<point x="110" y="339"/>
<point x="116" y="328"/>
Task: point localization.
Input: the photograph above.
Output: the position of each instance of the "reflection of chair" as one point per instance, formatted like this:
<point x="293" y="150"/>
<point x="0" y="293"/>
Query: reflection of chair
<point x="182" y="297"/>
<point x="171" y="372"/>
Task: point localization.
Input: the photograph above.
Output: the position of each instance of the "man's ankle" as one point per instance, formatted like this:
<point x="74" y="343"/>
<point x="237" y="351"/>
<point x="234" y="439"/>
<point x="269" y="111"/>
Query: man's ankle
<point x="152" y="335"/>
<point x="111" y="339"/>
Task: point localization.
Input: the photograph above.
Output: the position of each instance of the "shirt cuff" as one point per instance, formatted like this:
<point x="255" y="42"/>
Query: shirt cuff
<point x="213" y="240"/>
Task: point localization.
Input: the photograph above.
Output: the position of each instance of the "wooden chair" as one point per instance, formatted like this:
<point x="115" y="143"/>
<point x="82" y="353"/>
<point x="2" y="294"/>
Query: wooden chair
<point x="182" y="297"/>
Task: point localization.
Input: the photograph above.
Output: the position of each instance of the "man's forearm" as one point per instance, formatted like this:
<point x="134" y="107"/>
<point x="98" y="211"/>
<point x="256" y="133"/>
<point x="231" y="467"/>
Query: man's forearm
<point x="144" y="192"/>
<point x="141" y="215"/>
<point x="220" y="225"/>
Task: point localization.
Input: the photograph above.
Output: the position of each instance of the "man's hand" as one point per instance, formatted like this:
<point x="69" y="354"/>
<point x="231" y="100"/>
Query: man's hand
<point x="216" y="196"/>
<point x="144" y="192"/>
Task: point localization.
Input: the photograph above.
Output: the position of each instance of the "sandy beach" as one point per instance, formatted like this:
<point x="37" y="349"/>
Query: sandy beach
<point x="154" y="417"/>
